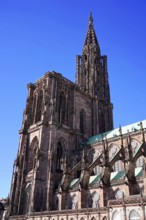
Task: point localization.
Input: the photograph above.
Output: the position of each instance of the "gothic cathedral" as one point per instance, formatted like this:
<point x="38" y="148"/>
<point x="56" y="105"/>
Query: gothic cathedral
<point x="69" y="158"/>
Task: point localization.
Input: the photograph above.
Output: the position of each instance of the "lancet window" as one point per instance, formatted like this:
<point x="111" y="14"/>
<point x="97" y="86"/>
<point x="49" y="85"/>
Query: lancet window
<point x="82" y="122"/>
<point x="101" y="122"/>
<point x="59" y="159"/>
<point x="31" y="155"/>
<point x="33" y="108"/>
<point x="117" y="166"/>
<point x="140" y="161"/>
<point x="74" y="201"/>
<point x="39" y="106"/>
<point x="95" y="200"/>
<point x="62" y="108"/>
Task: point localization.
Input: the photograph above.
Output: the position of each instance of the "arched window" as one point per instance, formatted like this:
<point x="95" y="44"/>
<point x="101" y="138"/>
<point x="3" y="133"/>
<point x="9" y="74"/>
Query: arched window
<point x="116" y="216"/>
<point x="62" y="108"/>
<point x="134" y="215"/>
<point x="97" y="170"/>
<point x="113" y="151"/>
<point x="119" y="194"/>
<point x="117" y="166"/>
<point x="31" y="154"/>
<point x="104" y="218"/>
<point x="74" y="201"/>
<point x="33" y="108"/>
<point x="39" y="106"/>
<point x="89" y="199"/>
<point x="26" y="198"/>
<point x="56" y="201"/>
<point x="93" y="218"/>
<point x="135" y="145"/>
<point x="140" y="162"/>
<point x="101" y="122"/>
<point x="59" y="159"/>
<point x="95" y="200"/>
<point x="83" y="82"/>
<point x="82" y="122"/>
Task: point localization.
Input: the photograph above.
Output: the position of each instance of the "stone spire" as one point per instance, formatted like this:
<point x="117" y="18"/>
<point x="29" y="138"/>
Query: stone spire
<point x="88" y="64"/>
<point x="91" y="39"/>
<point x="90" y="19"/>
<point x="92" y="79"/>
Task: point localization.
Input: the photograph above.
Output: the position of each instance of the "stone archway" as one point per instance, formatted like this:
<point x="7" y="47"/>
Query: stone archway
<point x="116" y="216"/>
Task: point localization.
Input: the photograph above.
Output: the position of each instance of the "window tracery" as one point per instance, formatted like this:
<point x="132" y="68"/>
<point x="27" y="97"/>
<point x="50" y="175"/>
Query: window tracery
<point x="134" y="215"/>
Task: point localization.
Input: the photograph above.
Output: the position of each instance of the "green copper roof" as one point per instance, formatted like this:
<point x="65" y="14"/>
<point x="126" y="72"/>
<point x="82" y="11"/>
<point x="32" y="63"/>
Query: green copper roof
<point x="138" y="172"/>
<point x="74" y="183"/>
<point x="117" y="175"/>
<point x="94" y="179"/>
<point x="115" y="133"/>
<point x="120" y="174"/>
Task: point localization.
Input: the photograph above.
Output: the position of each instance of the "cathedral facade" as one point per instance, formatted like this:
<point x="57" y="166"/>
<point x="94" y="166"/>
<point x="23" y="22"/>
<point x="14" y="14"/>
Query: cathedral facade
<point x="71" y="163"/>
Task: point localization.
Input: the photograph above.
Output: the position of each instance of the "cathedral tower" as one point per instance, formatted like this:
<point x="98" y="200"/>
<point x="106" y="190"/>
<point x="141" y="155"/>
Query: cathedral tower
<point x="59" y="115"/>
<point x="92" y="78"/>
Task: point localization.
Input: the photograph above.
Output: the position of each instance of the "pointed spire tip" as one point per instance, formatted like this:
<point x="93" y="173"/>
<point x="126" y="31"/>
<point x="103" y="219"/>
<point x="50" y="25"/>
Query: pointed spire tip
<point x="90" y="18"/>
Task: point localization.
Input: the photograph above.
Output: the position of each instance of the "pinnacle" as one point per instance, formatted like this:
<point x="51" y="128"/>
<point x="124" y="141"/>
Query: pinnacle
<point x="90" y="19"/>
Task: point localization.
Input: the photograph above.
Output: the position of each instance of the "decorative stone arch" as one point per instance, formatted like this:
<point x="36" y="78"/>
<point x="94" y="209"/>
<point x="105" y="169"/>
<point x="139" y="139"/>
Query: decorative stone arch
<point x="135" y="145"/>
<point x="116" y="216"/>
<point x="60" y="154"/>
<point x="82" y="122"/>
<point x="71" y="218"/>
<point x="134" y="215"/>
<point x="93" y="218"/>
<point x="95" y="199"/>
<point x="32" y="154"/>
<point x="104" y="218"/>
<point x="82" y="218"/>
<point x="113" y="150"/>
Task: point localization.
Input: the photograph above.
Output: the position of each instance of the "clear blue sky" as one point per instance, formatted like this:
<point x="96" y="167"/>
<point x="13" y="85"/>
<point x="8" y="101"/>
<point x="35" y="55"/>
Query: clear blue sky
<point x="41" y="35"/>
